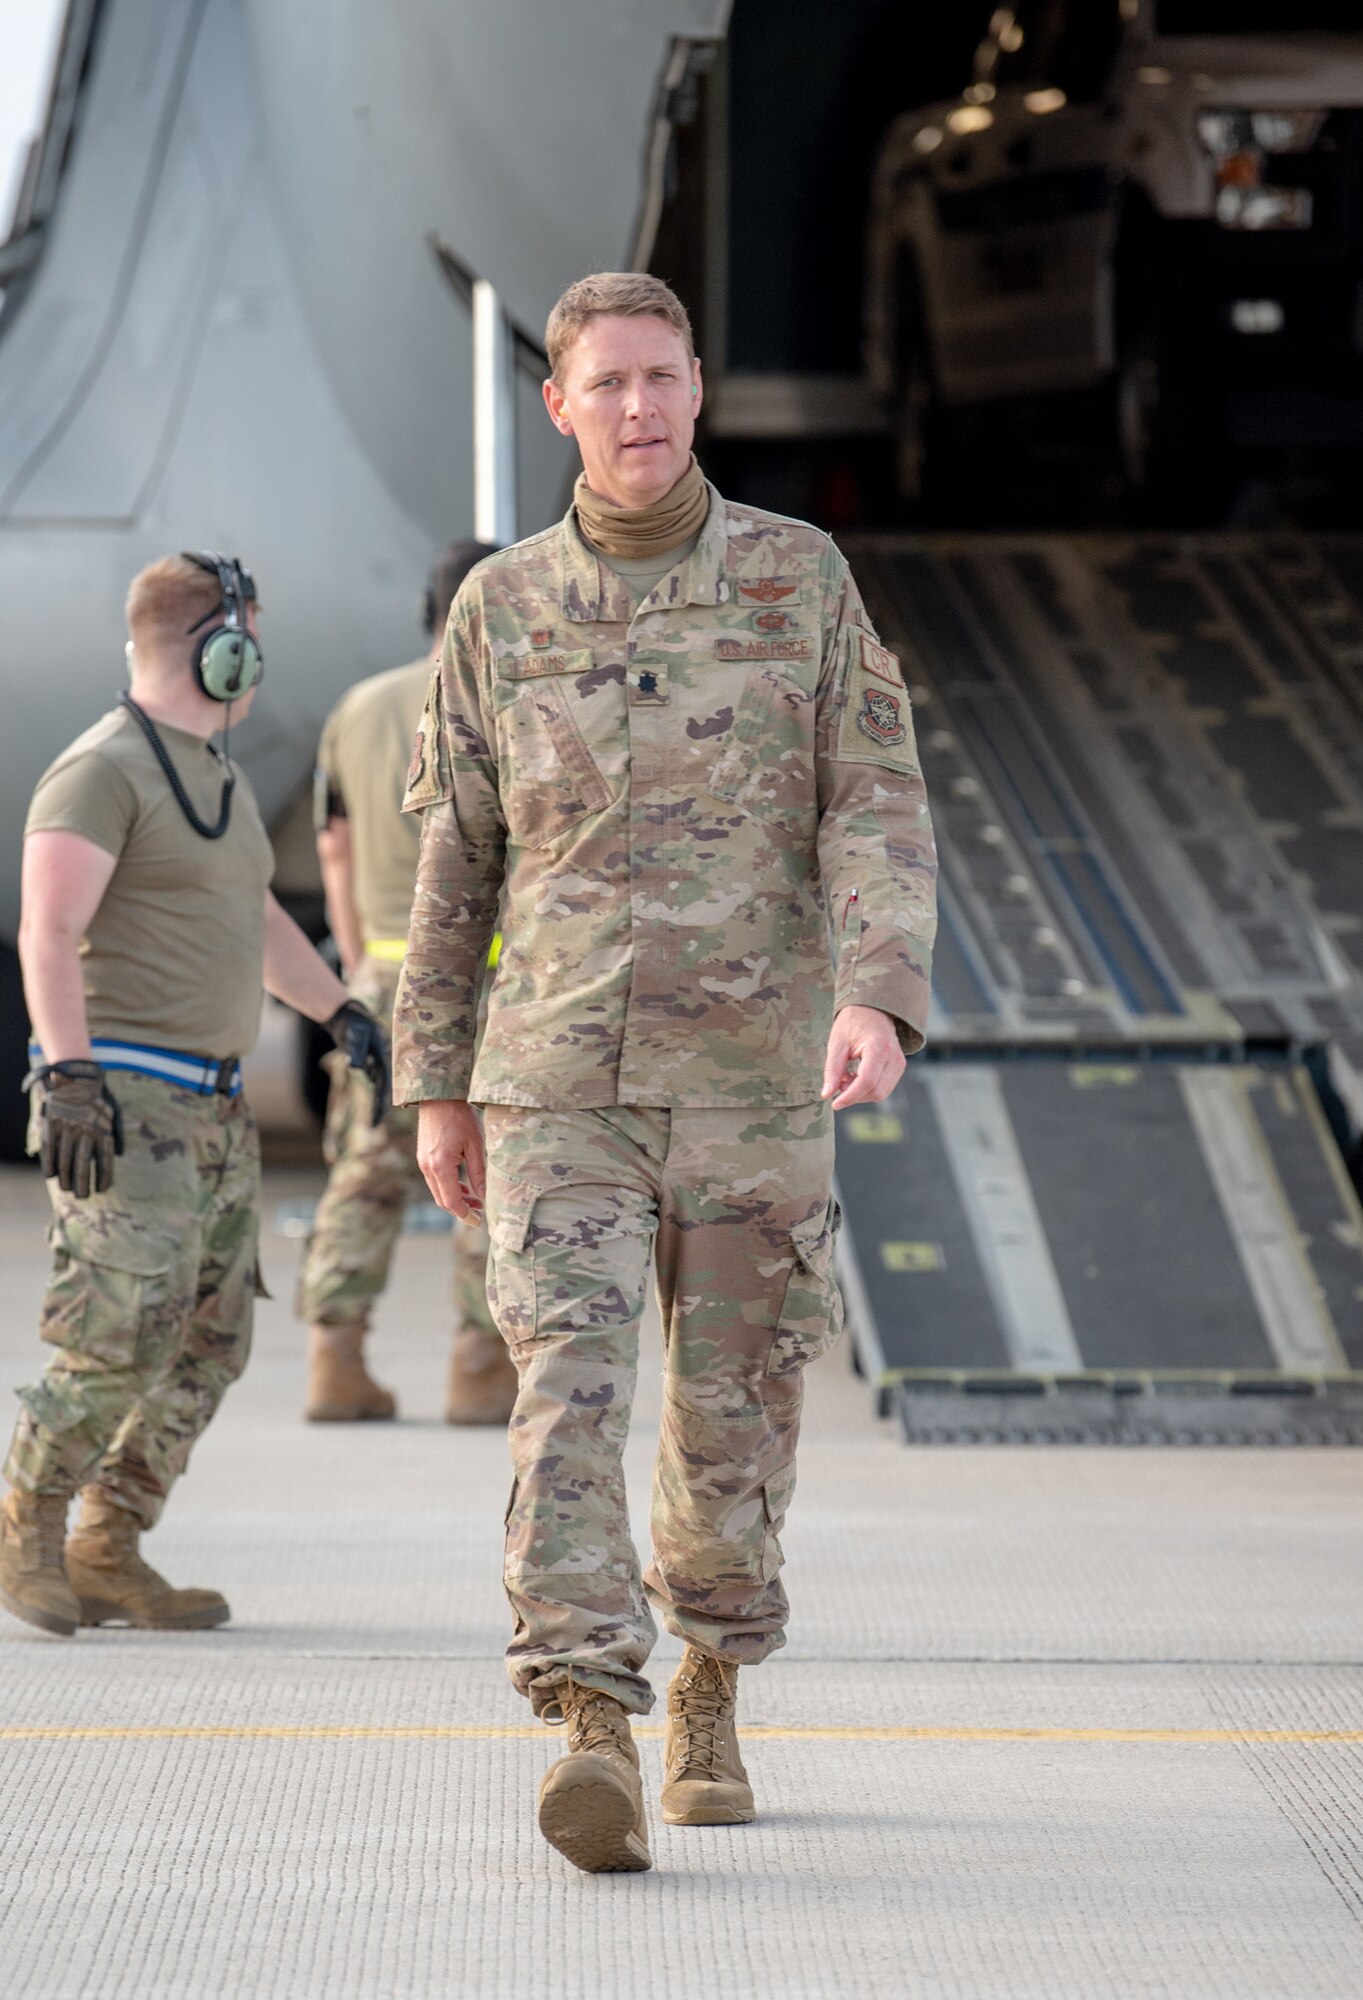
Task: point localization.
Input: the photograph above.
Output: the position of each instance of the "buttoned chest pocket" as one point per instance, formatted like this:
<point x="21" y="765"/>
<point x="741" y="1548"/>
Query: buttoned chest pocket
<point x="550" y="779"/>
<point x="766" y="766"/>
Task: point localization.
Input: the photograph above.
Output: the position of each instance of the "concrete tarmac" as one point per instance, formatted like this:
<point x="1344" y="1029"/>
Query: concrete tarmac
<point x="1050" y="1722"/>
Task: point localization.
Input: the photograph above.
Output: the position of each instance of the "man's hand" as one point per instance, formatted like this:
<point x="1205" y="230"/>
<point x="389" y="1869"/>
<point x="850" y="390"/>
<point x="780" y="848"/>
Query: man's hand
<point x="80" y="1127"/>
<point x="363" y="1044"/>
<point x="448" y="1136"/>
<point x="864" y="1061"/>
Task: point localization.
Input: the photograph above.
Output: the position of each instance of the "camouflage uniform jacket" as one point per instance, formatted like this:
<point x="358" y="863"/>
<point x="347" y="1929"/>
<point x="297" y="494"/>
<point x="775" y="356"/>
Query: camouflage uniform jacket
<point x="675" y="801"/>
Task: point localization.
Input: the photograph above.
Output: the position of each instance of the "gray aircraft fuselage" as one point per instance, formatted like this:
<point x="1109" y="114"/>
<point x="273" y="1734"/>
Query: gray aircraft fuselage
<point x="237" y="335"/>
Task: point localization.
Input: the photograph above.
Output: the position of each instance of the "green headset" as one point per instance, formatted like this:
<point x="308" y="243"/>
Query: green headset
<point x="227" y="661"/>
<point x="227" y="658"/>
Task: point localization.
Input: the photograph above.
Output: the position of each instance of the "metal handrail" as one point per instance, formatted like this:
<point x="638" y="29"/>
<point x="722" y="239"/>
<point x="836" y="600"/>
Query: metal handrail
<point x="500" y="346"/>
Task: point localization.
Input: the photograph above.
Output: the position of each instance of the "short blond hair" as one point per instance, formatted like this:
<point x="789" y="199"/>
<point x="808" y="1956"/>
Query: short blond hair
<point x="166" y="598"/>
<point x="619" y="295"/>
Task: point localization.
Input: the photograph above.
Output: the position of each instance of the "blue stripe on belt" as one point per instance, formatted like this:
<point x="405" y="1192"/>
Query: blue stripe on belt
<point x="205" y="1075"/>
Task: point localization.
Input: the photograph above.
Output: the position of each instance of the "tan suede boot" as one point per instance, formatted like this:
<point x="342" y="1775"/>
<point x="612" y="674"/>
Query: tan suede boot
<point x="116" y="1587"/>
<point x="592" y="1801"/>
<point x="482" y="1379"/>
<point x="704" y="1783"/>
<point x="33" y="1580"/>
<point x="340" y="1387"/>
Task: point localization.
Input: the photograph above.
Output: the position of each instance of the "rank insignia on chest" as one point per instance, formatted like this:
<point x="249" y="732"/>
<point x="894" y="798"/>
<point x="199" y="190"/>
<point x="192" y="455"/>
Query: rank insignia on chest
<point x="769" y="590"/>
<point x="648" y="684"/>
<point x="881" y="718"/>
<point x="418" y="763"/>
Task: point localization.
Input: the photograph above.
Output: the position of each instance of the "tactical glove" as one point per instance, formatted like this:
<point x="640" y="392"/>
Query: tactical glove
<point x="80" y="1127"/>
<point x="365" y="1046"/>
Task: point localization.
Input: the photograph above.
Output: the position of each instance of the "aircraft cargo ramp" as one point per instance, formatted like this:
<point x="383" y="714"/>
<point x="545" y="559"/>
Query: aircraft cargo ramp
<point x="1114" y="1202"/>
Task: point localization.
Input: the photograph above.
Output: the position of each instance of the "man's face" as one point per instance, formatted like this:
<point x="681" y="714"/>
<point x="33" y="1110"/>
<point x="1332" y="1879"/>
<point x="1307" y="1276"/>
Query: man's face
<point x="630" y="395"/>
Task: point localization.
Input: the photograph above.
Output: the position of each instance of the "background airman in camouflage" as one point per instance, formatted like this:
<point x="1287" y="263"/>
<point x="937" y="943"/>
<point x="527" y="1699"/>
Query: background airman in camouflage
<point x="665" y="740"/>
<point x="368" y="853"/>
<point x="148" y="930"/>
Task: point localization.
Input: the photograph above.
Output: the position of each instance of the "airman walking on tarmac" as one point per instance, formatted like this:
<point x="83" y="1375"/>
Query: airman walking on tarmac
<point x="665" y="740"/>
<point x="147" y="933"/>
<point x="368" y="851"/>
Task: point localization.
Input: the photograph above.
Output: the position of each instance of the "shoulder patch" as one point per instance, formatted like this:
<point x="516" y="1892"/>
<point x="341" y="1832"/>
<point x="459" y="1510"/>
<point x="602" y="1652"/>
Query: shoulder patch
<point x="430" y="777"/>
<point x="882" y="718"/>
<point x="875" y="725"/>
<point x="878" y="661"/>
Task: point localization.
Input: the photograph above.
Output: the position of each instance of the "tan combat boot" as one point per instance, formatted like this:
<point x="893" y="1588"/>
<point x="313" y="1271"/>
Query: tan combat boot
<point x="704" y="1783"/>
<point x="482" y="1379"/>
<point x="340" y="1387"/>
<point x="33" y="1580"/>
<point x="115" y="1586"/>
<point x="592" y="1801"/>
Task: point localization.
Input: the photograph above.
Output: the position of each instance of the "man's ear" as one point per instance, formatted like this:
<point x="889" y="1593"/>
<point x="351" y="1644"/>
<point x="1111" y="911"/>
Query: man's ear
<point x="556" y="403"/>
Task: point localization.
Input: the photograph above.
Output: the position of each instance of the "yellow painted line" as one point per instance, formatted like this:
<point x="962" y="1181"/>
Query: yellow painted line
<point x="480" y="1732"/>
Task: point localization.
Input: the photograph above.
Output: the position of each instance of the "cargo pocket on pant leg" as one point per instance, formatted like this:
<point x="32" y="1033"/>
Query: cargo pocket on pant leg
<point x="811" y="1316"/>
<point x="104" y="1284"/>
<point x="511" y="1258"/>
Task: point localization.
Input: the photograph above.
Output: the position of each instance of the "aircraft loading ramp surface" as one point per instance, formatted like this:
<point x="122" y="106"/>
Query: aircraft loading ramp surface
<point x="1111" y="1203"/>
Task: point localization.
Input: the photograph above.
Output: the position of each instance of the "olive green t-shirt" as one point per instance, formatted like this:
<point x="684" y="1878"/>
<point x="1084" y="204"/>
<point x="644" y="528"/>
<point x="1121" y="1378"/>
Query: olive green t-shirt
<point x="644" y="573"/>
<point x="175" y="952"/>
<point x="362" y="763"/>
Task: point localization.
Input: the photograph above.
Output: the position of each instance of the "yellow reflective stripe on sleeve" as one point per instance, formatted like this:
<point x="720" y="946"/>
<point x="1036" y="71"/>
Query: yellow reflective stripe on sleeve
<point x="394" y="950"/>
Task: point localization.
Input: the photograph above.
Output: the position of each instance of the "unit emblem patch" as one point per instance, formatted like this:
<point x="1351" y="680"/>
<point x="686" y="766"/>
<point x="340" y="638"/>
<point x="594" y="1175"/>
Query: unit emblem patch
<point x="543" y="635"/>
<point x="880" y="718"/>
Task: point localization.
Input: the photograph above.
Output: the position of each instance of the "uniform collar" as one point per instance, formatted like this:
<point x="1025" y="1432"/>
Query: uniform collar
<point x="593" y="593"/>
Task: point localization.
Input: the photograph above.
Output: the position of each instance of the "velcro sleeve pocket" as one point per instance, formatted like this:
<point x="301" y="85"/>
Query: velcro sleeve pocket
<point x="876" y="725"/>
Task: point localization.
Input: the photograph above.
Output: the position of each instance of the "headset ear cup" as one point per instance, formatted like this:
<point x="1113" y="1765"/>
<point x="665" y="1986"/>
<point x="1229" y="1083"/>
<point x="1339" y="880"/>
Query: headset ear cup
<point x="227" y="663"/>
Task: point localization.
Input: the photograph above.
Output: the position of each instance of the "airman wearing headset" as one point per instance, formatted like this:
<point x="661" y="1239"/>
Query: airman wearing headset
<point x="147" y="933"/>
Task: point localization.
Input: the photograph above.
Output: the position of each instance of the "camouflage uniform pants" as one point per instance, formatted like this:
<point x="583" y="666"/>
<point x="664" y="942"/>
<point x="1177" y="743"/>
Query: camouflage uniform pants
<point x="149" y="1304"/>
<point x="373" y="1176"/>
<point x="737" y="1208"/>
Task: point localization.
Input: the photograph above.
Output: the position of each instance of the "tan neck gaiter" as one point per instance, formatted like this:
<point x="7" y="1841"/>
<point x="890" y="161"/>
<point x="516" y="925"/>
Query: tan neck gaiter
<point x="635" y="533"/>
